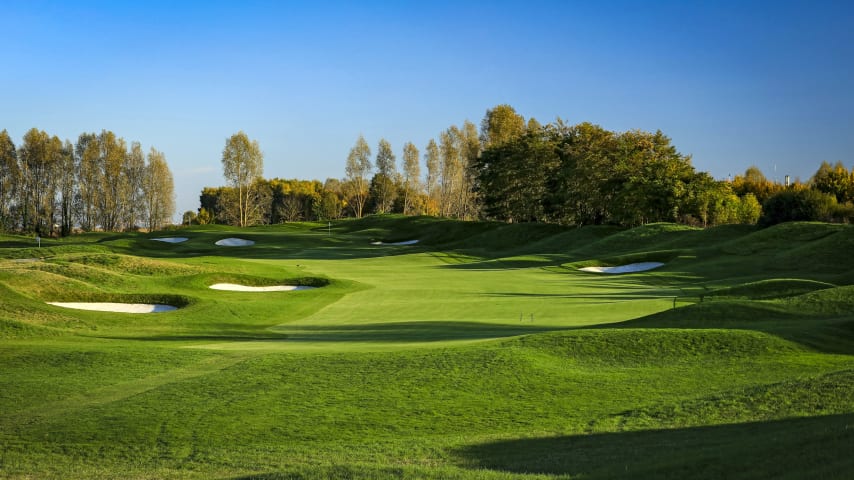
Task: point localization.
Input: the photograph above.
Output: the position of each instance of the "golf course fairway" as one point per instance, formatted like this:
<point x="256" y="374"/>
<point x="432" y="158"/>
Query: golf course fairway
<point x="481" y="351"/>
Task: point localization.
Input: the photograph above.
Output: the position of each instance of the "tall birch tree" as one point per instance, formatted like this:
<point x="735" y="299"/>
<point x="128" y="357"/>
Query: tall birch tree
<point x="433" y="161"/>
<point x="158" y="191"/>
<point x="357" y="170"/>
<point x="10" y="180"/>
<point x="386" y="170"/>
<point x="113" y="183"/>
<point x="134" y="170"/>
<point x="66" y="180"/>
<point x="411" y="176"/>
<point x="243" y="167"/>
<point x="88" y="170"/>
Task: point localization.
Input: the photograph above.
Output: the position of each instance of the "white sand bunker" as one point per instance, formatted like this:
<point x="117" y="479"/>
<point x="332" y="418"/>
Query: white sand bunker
<point x="630" y="268"/>
<point x="234" y="242"/>
<point x="117" y="307"/>
<point x="408" y="242"/>
<point x="233" y="287"/>
<point x="171" y="239"/>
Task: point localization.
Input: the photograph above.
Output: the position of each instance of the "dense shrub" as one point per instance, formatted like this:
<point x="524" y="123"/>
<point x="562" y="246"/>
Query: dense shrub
<point x="797" y="205"/>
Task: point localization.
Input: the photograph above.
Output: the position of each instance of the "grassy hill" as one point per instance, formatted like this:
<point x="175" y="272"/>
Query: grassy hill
<point x="481" y="351"/>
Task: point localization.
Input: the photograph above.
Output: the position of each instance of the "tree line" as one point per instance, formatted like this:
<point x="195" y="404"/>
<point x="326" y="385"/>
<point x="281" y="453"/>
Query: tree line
<point x="51" y="187"/>
<point x="518" y="170"/>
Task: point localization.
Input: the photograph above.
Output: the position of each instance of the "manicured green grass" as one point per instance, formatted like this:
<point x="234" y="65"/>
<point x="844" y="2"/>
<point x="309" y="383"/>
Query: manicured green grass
<point x="479" y="352"/>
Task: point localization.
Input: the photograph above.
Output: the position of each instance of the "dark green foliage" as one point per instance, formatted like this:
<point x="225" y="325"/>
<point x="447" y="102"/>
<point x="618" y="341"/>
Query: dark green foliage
<point x="835" y="180"/>
<point x="585" y="175"/>
<point x="797" y="205"/>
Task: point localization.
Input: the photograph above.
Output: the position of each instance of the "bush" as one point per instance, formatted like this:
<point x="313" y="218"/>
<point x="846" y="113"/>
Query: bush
<point x="797" y="205"/>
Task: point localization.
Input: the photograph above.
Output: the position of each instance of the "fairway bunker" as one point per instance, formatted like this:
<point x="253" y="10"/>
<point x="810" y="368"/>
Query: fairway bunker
<point x="630" y="268"/>
<point x="407" y="242"/>
<point x="116" y="307"/>
<point x="171" y="239"/>
<point x="234" y="242"/>
<point x="233" y="287"/>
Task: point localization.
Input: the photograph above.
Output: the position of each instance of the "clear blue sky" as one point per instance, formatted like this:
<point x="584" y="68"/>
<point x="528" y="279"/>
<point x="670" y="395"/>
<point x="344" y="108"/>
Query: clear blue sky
<point x="733" y="83"/>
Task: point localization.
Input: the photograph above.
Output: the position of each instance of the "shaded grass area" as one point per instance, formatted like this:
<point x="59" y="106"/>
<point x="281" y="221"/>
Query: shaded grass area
<point x="791" y="448"/>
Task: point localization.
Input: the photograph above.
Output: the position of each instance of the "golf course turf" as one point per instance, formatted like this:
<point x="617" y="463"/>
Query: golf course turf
<point x="482" y="351"/>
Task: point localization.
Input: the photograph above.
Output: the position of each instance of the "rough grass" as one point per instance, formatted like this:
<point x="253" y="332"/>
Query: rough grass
<point x="471" y="355"/>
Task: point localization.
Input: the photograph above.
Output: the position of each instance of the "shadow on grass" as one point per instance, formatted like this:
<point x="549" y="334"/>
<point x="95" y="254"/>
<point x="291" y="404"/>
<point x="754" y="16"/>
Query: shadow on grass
<point x="814" y="447"/>
<point x="393" y="332"/>
<point x="408" y="331"/>
<point x="815" y="330"/>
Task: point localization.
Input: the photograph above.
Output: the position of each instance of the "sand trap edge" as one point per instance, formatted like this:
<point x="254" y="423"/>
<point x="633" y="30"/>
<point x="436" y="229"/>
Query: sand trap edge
<point x="629" y="268"/>
<point x="233" y="287"/>
<point x="116" y="307"/>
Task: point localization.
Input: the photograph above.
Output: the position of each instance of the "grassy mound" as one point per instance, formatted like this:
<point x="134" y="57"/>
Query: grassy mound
<point x="769" y="289"/>
<point x="128" y="264"/>
<point x="641" y="347"/>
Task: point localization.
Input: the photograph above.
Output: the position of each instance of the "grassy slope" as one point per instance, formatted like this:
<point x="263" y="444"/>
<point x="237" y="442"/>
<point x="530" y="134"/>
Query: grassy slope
<point x="413" y="361"/>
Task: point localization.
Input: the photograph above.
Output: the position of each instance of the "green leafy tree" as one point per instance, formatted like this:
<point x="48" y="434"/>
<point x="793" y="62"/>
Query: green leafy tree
<point x="66" y="183"/>
<point x="329" y="207"/>
<point x="380" y="183"/>
<point x="582" y="186"/>
<point x="501" y="124"/>
<point x="39" y="157"/>
<point x="433" y="161"/>
<point x="189" y="217"/>
<point x="243" y="167"/>
<point x="10" y="181"/>
<point x="357" y="170"/>
<point x="385" y="193"/>
<point x="750" y="210"/>
<point x="88" y="168"/>
<point x="467" y="203"/>
<point x="113" y="184"/>
<point x="835" y="180"/>
<point x="134" y="171"/>
<point x="294" y="199"/>
<point x="158" y="191"/>
<point x="411" y="177"/>
<point x="754" y="181"/>
<point x="515" y="177"/>
<point x="204" y="217"/>
<point x="451" y="171"/>
<point x="210" y="203"/>
<point x="797" y="205"/>
<point x="650" y="178"/>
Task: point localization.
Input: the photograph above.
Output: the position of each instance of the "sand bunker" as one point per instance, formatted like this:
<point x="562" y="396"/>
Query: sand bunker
<point x="408" y="242"/>
<point x="630" y="268"/>
<point x="117" y="307"/>
<point x="171" y="239"/>
<point x="234" y="242"/>
<point x="232" y="287"/>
